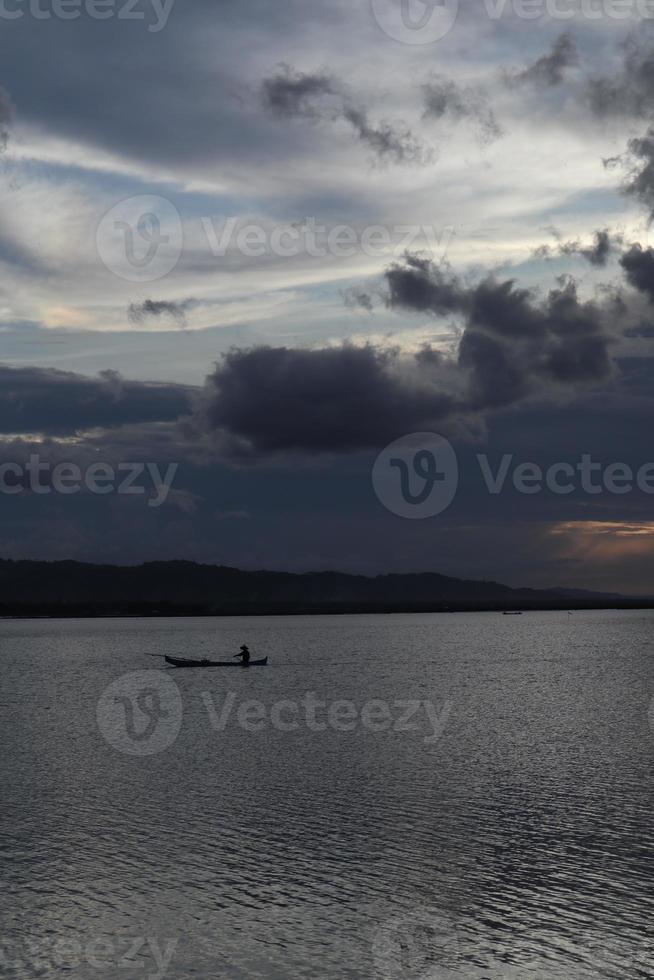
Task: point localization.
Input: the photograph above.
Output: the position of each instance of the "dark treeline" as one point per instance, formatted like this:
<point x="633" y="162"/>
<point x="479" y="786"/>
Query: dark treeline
<point x="180" y="588"/>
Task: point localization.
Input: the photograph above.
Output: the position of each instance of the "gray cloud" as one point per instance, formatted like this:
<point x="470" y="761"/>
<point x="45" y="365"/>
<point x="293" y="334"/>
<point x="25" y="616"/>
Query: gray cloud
<point x="514" y="345"/>
<point x="640" y="181"/>
<point x="60" y="403"/>
<point x="630" y="91"/>
<point x="514" y="342"/>
<point x="291" y="93"/>
<point x="138" y="313"/>
<point x="328" y="400"/>
<point x="356" y="297"/>
<point x="629" y="94"/>
<point x="388" y="141"/>
<point x="598" y="254"/>
<point x="420" y="285"/>
<point x="550" y="69"/>
<point x="638" y="264"/>
<point x="321" y="98"/>
<point x="443" y="98"/>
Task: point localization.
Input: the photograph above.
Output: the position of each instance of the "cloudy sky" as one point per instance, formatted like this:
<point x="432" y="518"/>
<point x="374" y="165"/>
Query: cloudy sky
<point x="265" y="241"/>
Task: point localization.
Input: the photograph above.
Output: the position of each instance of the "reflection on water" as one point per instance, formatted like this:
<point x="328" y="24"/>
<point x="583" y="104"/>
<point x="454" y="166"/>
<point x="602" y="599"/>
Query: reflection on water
<point x="519" y="843"/>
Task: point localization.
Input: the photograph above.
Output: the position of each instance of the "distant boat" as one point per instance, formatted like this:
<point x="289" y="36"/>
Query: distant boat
<point x="512" y="612"/>
<point x="176" y="662"/>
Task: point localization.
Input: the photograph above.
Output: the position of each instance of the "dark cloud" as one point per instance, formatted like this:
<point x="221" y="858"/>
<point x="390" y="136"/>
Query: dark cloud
<point x="514" y="342"/>
<point x="291" y="93"/>
<point x="388" y="141"/>
<point x="496" y="376"/>
<point x="630" y="91"/>
<point x="550" y="69"/>
<point x="420" y="285"/>
<point x="60" y="403"/>
<point x="328" y="400"/>
<point x="629" y="94"/>
<point x="321" y="98"/>
<point x="305" y="516"/>
<point x="443" y="98"/>
<point x="598" y="254"/>
<point x="640" y="181"/>
<point x="514" y="345"/>
<point x="638" y="264"/>
<point x="138" y="313"/>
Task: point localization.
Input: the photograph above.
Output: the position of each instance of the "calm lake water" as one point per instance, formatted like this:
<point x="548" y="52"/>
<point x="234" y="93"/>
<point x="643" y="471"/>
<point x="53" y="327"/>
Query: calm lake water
<point x="155" y="824"/>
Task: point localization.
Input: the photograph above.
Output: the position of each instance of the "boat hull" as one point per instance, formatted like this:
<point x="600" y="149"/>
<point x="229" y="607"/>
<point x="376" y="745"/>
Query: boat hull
<point x="177" y="662"/>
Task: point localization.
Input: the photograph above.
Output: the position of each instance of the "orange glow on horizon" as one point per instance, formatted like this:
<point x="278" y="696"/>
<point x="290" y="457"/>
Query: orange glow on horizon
<point x="616" y="529"/>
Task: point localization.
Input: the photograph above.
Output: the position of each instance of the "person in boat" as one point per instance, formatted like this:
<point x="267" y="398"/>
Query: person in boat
<point x="244" y="654"/>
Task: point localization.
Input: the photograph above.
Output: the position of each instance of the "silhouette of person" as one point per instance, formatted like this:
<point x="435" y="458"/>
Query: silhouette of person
<point x="244" y="655"/>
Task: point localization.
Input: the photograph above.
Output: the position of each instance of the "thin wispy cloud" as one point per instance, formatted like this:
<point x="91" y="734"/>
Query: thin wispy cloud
<point x="319" y="97"/>
<point x="552" y="68"/>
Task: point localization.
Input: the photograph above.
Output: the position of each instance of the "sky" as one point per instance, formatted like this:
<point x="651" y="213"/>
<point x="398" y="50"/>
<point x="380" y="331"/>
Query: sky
<point x="362" y="286"/>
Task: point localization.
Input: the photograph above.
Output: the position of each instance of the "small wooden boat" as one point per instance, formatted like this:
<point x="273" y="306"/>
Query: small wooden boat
<point x="176" y="662"/>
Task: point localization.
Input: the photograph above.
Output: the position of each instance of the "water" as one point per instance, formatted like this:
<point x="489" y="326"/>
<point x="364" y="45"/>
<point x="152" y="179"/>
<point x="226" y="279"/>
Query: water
<point x="516" y="842"/>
